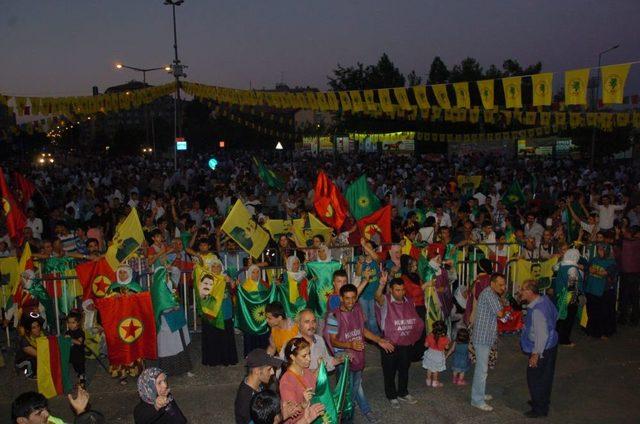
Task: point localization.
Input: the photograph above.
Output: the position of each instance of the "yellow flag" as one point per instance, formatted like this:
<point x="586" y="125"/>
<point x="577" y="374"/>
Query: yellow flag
<point x="332" y="101"/>
<point x="312" y="100"/>
<point x="530" y="118"/>
<point x="345" y="100"/>
<point x="542" y="88"/>
<point x="9" y="268"/>
<point x="305" y="229"/>
<point x="420" y="93"/>
<point x="623" y="119"/>
<point x="474" y="180"/>
<point x="545" y="119"/>
<point x="462" y="95"/>
<point x="486" y="93"/>
<point x="560" y="119"/>
<point x="356" y="101"/>
<point x="440" y="91"/>
<point x="126" y="241"/>
<point x="401" y="97"/>
<point x="369" y="99"/>
<point x="322" y="101"/>
<point x="575" y="86"/>
<point x="245" y="231"/>
<point x="385" y="100"/>
<point x="488" y="116"/>
<point x="512" y="91"/>
<point x="614" y="78"/>
<point x="526" y="270"/>
<point x="474" y="115"/>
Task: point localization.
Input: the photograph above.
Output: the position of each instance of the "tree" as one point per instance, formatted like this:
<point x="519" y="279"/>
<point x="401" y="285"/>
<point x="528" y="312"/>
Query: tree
<point x="512" y="68"/>
<point x="493" y="73"/>
<point x="351" y="78"/>
<point x="414" y="79"/>
<point x="438" y="72"/>
<point x="384" y="74"/>
<point x="468" y="70"/>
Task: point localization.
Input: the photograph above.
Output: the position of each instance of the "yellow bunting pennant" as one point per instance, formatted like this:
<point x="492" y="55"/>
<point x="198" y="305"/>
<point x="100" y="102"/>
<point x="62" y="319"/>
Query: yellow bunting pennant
<point x="440" y="91"/>
<point x="345" y="100"/>
<point x="486" y="93"/>
<point x="420" y="93"/>
<point x="385" y="100"/>
<point x="614" y="78"/>
<point x="512" y="92"/>
<point x="356" y="101"/>
<point x="474" y="115"/>
<point x="462" y="94"/>
<point x="488" y="116"/>
<point x="542" y="88"/>
<point x="575" y="86"/>
<point x="401" y="97"/>
<point x="369" y="99"/>
<point x="332" y="101"/>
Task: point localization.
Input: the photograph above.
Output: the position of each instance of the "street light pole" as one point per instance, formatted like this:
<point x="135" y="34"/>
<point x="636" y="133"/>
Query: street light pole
<point x="145" y="111"/>
<point x="178" y="71"/>
<point x="595" y="101"/>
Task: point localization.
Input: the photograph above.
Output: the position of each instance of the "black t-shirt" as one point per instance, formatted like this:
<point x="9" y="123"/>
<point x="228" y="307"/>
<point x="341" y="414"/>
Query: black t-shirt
<point x="243" y="403"/>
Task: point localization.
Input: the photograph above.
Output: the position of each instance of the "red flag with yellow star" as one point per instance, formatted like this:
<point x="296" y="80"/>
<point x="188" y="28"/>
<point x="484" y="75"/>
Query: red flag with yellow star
<point x="95" y="278"/>
<point x="129" y="327"/>
<point x="16" y="219"/>
<point x="331" y="206"/>
<point x="377" y="228"/>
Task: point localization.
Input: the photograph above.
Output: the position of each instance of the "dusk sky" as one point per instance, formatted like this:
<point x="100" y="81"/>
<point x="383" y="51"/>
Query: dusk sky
<point x="64" y="47"/>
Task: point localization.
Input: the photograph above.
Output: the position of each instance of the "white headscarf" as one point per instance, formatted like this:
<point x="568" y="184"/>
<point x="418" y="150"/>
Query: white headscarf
<point x="325" y="249"/>
<point x="129" y="271"/>
<point x="297" y="275"/>
<point x="250" y="272"/>
<point x="571" y="257"/>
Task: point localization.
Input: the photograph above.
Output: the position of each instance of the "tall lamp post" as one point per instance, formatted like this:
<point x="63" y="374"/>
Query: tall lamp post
<point x="144" y="81"/>
<point x="178" y="71"/>
<point x="595" y="100"/>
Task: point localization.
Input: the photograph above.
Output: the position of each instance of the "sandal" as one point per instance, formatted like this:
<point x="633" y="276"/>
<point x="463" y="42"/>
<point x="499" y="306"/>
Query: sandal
<point x="437" y="384"/>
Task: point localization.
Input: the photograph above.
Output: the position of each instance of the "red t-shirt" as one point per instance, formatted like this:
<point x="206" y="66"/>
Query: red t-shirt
<point x="443" y="342"/>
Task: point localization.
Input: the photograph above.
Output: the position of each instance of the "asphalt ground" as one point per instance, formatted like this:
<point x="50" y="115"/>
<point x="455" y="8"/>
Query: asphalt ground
<point x="596" y="381"/>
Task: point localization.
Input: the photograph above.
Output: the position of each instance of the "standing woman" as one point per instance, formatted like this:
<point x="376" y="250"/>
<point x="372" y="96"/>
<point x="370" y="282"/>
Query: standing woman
<point x="254" y="283"/>
<point x="566" y="287"/>
<point x="415" y="292"/>
<point x="157" y="405"/>
<point x="298" y="382"/>
<point x="297" y="275"/>
<point x="216" y="310"/>
<point x="600" y="270"/>
<point x="122" y="287"/>
<point x="171" y="323"/>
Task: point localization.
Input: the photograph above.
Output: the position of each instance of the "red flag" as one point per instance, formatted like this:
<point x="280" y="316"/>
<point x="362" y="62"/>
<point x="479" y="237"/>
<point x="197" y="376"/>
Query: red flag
<point x="25" y="186"/>
<point x="129" y="326"/>
<point x="95" y="278"/>
<point x="329" y="203"/>
<point x="377" y="227"/>
<point x="16" y="220"/>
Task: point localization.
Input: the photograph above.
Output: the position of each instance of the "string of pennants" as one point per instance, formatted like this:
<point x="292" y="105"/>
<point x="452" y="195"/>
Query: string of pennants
<point x="445" y="96"/>
<point x="233" y="117"/>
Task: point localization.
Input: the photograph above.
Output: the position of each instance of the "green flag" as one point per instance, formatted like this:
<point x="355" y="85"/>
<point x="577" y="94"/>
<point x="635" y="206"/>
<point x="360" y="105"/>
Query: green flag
<point x="251" y="317"/>
<point x="362" y="201"/>
<point x="321" y="284"/>
<point x="268" y="176"/>
<point x="67" y="284"/>
<point x="287" y="293"/>
<point x="514" y="196"/>
<point x="337" y="403"/>
<point x="573" y="226"/>
<point x="161" y="296"/>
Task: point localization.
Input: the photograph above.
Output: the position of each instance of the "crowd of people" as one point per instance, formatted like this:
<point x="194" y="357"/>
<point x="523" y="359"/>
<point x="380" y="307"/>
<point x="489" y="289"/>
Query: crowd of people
<point x="588" y="219"/>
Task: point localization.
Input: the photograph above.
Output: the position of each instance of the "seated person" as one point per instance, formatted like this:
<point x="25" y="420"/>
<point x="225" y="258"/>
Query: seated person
<point x="26" y="354"/>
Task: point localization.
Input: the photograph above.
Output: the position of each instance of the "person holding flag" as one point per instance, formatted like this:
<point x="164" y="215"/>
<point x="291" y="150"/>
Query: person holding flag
<point x="258" y="293"/>
<point x="298" y="382"/>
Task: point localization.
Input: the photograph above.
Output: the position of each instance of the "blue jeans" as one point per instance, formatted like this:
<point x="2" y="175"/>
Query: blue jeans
<point x="480" y="374"/>
<point x="369" y="309"/>
<point x="357" y="392"/>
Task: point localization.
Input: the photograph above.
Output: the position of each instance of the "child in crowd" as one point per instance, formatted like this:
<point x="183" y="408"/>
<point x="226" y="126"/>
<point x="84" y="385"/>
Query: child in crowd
<point x="76" y="334"/>
<point x="434" y="360"/>
<point x="461" y="360"/>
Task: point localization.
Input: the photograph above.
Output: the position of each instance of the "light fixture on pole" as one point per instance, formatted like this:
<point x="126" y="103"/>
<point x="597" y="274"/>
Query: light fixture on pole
<point x="279" y="146"/>
<point x="595" y="100"/>
<point x="144" y="81"/>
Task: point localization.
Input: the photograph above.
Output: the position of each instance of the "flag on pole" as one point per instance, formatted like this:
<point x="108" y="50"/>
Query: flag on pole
<point x="329" y="203"/>
<point x="362" y="200"/>
<point x="126" y="241"/>
<point x="26" y="187"/>
<point x="288" y="294"/>
<point x="251" y="316"/>
<point x="337" y="403"/>
<point x="53" y="354"/>
<point x="209" y="296"/>
<point x="304" y="229"/>
<point x="129" y="327"/>
<point x="15" y="218"/>
<point x="320" y="284"/>
<point x="377" y="226"/>
<point x="245" y="231"/>
<point x="162" y="298"/>
<point x="95" y="278"/>
<point x="514" y="196"/>
<point x="268" y="176"/>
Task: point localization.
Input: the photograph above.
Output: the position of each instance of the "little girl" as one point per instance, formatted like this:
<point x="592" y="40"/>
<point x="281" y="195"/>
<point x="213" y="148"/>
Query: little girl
<point x="434" y="360"/>
<point x="461" y="360"/>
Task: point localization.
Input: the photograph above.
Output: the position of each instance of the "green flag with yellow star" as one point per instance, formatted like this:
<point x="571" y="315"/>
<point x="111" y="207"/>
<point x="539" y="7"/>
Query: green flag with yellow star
<point x="320" y="276"/>
<point x="514" y="196"/>
<point x="362" y="200"/>
<point x="251" y="317"/>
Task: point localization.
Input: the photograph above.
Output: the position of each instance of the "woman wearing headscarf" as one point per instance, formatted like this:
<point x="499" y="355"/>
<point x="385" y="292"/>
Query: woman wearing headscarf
<point x="171" y="323"/>
<point x="122" y="287"/>
<point x="157" y="405"/>
<point x="254" y="283"/>
<point x="566" y="287"/>
<point x="324" y="254"/>
<point x="216" y="311"/>
<point x="599" y="282"/>
<point x="392" y="265"/>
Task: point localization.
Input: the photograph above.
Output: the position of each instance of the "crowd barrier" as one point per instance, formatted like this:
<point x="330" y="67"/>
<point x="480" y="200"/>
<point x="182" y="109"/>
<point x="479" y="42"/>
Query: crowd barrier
<point x="466" y="269"/>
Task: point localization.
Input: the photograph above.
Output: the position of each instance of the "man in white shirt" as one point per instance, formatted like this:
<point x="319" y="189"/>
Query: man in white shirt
<point x="533" y="229"/>
<point x="607" y="211"/>
<point x="34" y="223"/>
<point x="442" y="218"/>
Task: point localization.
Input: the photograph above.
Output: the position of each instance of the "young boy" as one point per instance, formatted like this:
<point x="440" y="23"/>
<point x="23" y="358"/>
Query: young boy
<point x="75" y="332"/>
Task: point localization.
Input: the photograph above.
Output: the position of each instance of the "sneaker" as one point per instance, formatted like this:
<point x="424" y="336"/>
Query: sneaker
<point x="190" y="374"/>
<point x="372" y="419"/>
<point x="484" y="407"/>
<point x="394" y="403"/>
<point x="462" y="382"/>
<point x="408" y="399"/>
<point x="488" y="397"/>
